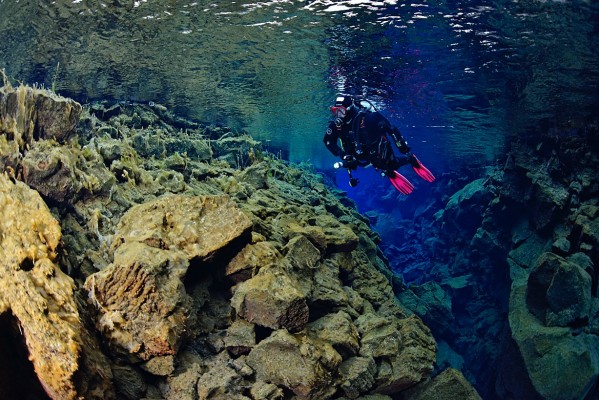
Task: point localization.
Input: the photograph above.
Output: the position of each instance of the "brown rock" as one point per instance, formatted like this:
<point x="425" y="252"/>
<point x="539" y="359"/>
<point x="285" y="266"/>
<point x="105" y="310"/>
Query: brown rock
<point x="250" y="259"/>
<point x="198" y="226"/>
<point x="271" y="299"/>
<point x="297" y="362"/>
<point x="403" y="348"/>
<point x="41" y="297"/>
<point x="141" y="299"/>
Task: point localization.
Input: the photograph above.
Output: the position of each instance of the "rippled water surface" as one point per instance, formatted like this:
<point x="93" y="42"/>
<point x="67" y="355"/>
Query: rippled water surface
<point x="457" y="77"/>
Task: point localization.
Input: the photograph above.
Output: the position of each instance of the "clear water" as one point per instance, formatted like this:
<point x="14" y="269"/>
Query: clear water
<point x="458" y="78"/>
<point x="461" y="79"/>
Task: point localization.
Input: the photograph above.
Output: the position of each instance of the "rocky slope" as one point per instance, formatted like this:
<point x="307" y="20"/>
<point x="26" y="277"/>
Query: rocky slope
<point x="144" y="256"/>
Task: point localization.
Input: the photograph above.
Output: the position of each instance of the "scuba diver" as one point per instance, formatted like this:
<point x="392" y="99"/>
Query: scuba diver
<point x="365" y="137"/>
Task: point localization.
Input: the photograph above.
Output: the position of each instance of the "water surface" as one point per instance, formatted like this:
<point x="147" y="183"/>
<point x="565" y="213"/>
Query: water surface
<point x="458" y="78"/>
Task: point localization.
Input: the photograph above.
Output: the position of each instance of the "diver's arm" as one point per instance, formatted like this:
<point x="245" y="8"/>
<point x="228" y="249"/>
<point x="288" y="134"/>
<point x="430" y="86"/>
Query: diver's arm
<point x="331" y="139"/>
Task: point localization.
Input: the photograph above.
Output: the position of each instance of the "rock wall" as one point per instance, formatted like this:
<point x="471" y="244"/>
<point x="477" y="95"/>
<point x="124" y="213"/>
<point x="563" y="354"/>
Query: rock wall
<point x="43" y="300"/>
<point x="508" y="281"/>
<point x="210" y="269"/>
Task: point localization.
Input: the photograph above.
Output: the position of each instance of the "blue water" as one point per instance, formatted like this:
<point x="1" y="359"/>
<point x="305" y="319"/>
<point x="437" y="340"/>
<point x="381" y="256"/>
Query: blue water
<point x="461" y="79"/>
<point x="457" y="77"/>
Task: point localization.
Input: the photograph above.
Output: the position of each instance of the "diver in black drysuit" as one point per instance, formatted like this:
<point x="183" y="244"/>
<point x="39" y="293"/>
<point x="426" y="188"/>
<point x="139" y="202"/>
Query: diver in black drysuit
<point x="365" y="137"/>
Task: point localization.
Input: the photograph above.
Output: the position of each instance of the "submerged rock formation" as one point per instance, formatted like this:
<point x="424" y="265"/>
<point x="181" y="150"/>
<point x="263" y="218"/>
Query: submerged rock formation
<point x="509" y="272"/>
<point x="227" y="275"/>
<point x="42" y="300"/>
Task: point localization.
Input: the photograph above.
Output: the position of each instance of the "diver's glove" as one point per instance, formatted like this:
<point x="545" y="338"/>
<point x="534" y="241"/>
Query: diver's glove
<point x="348" y="162"/>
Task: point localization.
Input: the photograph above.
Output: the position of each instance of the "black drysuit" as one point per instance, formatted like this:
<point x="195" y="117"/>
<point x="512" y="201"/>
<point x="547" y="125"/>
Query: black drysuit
<point x="367" y="136"/>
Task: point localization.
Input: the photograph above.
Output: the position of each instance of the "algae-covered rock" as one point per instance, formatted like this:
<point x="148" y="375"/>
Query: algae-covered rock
<point x="464" y="208"/>
<point x="560" y="365"/>
<point x="198" y="226"/>
<point x="559" y="291"/>
<point x="448" y="385"/>
<point x="229" y="278"/>
<point x="339" y="331"/>
<point x="42" y="298"/>
<point x="250" y="259"/>
<point x="28" y="114"/>
<point x="272" y="299"/>
<point x="140" y="298"/>
<point x="403" y="349"/>
<point x="241" y="337"/>
<point x="297" y="363"/>
<point x="357" y="376"/>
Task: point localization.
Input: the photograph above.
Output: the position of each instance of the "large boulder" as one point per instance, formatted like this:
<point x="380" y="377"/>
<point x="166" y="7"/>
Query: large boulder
<point x="140" y="297"/>
<point x="272" y="299"/>
<point x="298" y="362"/>
<point x="403" y="349"/>
<point x="42" y="298"/>
<point x="431" y="303"/>
<point x="559" y="291"/>
<point x="198" y="226"/>
<point x="464" y="210"/>
<point x="560" y="365"/>
<point x="448" y="385"/>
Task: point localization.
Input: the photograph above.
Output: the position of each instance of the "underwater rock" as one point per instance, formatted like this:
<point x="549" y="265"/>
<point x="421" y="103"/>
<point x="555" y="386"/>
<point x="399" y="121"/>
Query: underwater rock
<point x="266" y="391"/>
<point x="65" y="356"/>
<point x="254" y="281"/>
<point x="271" y="299"/>
<point x="296" y="362"/>
<point x="400" y="347"/>
<point x="140" y="298"/>
<point x="464" y="210"/>
<point x="221" y="382"/>
<point x="586" y="221"/>
<point x="250" y="259"/>
<point x="51" y="171"/>
<point x="238" y="151"/>
<point x="560" y="365"/>
<point x="559" y="291"/>
<point x="448" y="385"/>
<point x="357" y="376"/>
<point x="197" y="226"/>
<point x="183" y="384"/>
<point x="28" y="114"/>
<point x="549" y="198"/>
<point x="431" y="303"/>
<point x="339" y="331"/>
<point x="241" y="337"/>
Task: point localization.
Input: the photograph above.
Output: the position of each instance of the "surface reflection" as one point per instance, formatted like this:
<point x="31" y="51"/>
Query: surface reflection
<point x="460" y="77"/>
